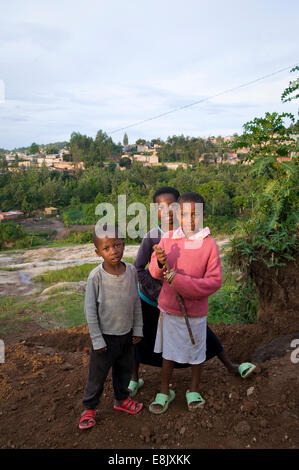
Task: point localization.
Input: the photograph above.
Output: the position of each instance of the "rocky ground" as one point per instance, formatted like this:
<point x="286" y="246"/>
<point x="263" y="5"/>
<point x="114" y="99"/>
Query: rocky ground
<point x="18" y="267"/>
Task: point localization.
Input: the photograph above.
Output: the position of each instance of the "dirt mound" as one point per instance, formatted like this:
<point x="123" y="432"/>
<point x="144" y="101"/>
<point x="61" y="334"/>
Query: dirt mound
<point x="278" y="347"/>
<point x="72" y="340"/>
<point x="278" y="294"/>
<point x="43" y="379"/>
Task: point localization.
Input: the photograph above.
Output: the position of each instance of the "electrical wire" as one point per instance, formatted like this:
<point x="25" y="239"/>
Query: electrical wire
<point x="174" y="110"/>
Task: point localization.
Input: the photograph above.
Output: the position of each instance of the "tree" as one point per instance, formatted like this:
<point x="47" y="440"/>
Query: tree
<point x="125" y="140"/>
<point x="156" y="141"/>
<point x="3" y="163"/>
<point x="52" y="149"/>
<point x="34" y="148"/>
<point x="288" y="94"/>
<point x="26" y="206"/>
<point x="112" y="166"/>
<point x="267" y="137"/>
<point x="217" y="200"/>
<point x="82" y="149"/>
<point x="265" y="244"/>
<point x="125" y="162"/>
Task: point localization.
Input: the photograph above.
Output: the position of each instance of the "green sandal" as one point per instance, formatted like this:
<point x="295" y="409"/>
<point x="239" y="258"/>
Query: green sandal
<point x="194" y="397"/>
<point x="163" y="400"/>
<point x="134" y="387"/>
<point x="246" y="369"/>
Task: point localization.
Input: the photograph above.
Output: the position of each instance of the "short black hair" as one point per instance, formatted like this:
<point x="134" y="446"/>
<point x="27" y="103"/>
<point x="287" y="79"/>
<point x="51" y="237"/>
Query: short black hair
<point x="110" y="231"/>
<point x="166" y="190"/>
<point x="191" y="196"/>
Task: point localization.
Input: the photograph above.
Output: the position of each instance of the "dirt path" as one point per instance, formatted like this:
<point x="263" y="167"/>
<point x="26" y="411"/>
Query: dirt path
<point x="32" y="224"/>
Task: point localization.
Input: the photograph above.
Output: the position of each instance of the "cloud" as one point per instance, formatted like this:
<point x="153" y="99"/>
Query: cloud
<point x="93" y="65"/>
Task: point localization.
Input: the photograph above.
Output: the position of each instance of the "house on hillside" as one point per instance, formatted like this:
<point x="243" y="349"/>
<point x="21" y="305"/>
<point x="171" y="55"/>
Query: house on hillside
<point x="144" y="147"/>
<point x="4" y="216"/>
<point x="64" y="152"/>
<point x="175" y="165"/>
<point x="68" y="165"/>
<point x="51" y="211"/>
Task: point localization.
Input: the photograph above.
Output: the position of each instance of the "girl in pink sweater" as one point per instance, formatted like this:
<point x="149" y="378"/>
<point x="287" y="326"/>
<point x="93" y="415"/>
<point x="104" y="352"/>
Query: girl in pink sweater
<point x="188" y="261"/>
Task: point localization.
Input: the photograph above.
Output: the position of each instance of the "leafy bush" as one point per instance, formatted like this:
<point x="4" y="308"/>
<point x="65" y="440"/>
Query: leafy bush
<point x="269" y="234"/>
<point x="10" y="233"/>
<point x="234" y="304"/>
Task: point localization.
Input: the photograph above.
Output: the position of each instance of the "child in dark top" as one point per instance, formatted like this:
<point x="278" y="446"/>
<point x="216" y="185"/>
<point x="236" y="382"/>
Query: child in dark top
<point x="149" y="290"/>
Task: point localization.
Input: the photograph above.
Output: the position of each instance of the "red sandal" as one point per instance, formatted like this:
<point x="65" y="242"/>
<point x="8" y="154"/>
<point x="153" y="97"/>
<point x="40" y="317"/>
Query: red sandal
<point x="88" y="417"/>
<point x="129" y="406"/>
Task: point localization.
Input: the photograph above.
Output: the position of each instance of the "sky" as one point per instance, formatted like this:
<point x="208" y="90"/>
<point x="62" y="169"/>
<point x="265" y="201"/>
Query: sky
<point x="84" y="65"/>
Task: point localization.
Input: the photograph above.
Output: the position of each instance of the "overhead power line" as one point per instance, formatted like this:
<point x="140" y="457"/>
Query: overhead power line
<point x="229" y="90"/>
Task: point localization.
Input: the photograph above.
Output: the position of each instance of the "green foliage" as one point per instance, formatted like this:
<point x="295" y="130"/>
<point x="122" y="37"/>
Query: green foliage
<point x="269" y="233"/>
<point x="234" y="304"/>
<point x="34" y="148"/>
<point x="267" y="137"/>
<point x="288" y="94"/>
<point x="10" y="233"/>
<point x="220" y="224"/>
<point x="80" y="237"/>
<point x="14" y="236"/>
<point x="125" y="162"/>
<point x="125" y="140"/>
<point x="70" y="274"/>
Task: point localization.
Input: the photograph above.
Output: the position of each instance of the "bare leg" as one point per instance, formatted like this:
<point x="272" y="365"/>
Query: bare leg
<point x="166" y="374"/>
<point x="196" y="370"/>
<point x="225" y="359"/>
<point x="135" y="373"/>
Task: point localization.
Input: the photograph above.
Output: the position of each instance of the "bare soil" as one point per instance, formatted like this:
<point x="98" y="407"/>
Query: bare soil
<point x="43" y="379"/>
<point x="44" y="375"/>
<point x="33" y="224"/>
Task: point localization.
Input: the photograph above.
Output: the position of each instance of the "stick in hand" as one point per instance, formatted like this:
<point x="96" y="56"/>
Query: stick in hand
<point x="162" y="259"/>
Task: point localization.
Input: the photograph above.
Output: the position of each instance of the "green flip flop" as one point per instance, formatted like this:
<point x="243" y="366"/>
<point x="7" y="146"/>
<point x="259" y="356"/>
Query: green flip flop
<point x="163" y="400"/>
<point x="134" y="387"/>
<point x="246" y="369"/>
<point x="194" y="397"/>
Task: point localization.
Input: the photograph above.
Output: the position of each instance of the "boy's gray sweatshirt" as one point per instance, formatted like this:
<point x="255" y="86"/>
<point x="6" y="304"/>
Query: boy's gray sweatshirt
<point x="112" y="304"/>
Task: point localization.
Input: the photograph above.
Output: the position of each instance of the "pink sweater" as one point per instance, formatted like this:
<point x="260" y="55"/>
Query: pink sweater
<point x="198" y="274"/>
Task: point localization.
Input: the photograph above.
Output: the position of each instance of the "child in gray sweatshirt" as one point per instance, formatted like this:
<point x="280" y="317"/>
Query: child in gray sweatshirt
<point x="113" y="312"/>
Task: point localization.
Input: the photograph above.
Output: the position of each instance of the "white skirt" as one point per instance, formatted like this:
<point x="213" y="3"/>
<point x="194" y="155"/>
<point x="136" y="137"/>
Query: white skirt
<point x="174" y="342"/>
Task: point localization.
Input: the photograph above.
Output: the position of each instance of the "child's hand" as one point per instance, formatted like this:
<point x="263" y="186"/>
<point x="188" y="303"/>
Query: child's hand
<point x="160" y="254"/>
<point x="101" y="351"/>
<point x="136" y="339"/>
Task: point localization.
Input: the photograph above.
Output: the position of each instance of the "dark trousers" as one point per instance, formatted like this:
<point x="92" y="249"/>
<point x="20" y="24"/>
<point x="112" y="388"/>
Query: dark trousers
<point x="214" y="346"/>
<point x="119" y="356"/>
